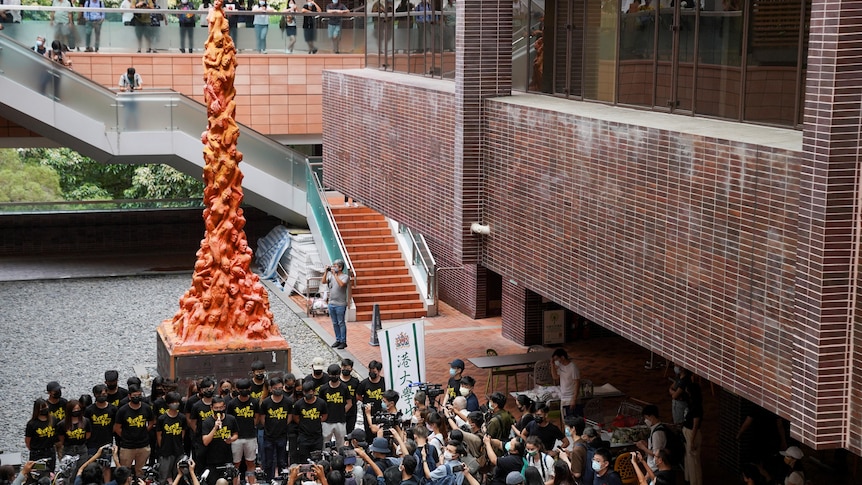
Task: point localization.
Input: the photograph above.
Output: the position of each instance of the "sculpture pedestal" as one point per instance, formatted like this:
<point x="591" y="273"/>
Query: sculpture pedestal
<point x="222" y="359"/>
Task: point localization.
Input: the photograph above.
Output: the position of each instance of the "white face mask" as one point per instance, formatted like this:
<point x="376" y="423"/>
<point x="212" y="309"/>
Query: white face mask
<point x="39" y="43"/>
<point x="648" y="422"/>
<point x="262" y="4"/>
<point x="465" y="392"/>
<point x="446" y="455"/>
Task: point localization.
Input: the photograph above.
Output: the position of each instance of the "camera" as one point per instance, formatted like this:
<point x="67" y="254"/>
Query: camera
<point x="105" y="455"/>
<point x="386" y="420"/>
<point x="458" y="468"/>
<point x="151" y="473"/>
<point x="183" y="464"/>
<point x="228" y="471"/>
<point x="40" y="465"/>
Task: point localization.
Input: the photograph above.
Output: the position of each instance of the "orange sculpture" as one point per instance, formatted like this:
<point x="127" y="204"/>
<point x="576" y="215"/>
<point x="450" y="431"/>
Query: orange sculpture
<point x="227" y="307"/>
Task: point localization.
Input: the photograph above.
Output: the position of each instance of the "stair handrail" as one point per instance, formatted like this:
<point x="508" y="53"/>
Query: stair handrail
<point x="421" y="255"/>
<point x="333" y="242"/>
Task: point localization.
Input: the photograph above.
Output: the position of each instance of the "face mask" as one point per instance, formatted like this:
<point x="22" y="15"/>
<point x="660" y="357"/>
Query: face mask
<point x="262" y="4"/>
<point x="596" y="466"/>
<point x="568" y="433"/>
<point x="76" y="413"/>
<point x="557" y="363"/>
<point x="648" y="422"/>
<point x="209" y="393"/>
<point x="539" y="419"/>
<point x="507" y="446"/>
<point x="101" y="398"/>
<point x="57" y="394"/>
<point x="345" y="372"/>
<point x="278" y="392"/>
<point x="260" y="377"/>
<point x="174" y="406"/>
<point x="491" y="405"/>
<point x="333" y="378"/>
<point x="446" y="455"/>
<point x="135" y="399"/>
<point x="112" y="387"/>
<point x="39" y="43"/>
<point x="185" y="2"/>
<point x="225" y="392"/>
<point x="372" y="375"/>
<point x="245" y="392"/>
<point x="465" y="392"/>
<point x="43" y="412"/>
<point x="532" y="453"/>
<point x="676" y="369"/>
<point x="318" y="373"/>
<point x="452" y="372"/>
<point x="309" y="396"/>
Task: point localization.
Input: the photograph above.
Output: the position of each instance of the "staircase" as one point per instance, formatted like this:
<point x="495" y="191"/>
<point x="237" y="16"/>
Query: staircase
<point x="382" y="275"/>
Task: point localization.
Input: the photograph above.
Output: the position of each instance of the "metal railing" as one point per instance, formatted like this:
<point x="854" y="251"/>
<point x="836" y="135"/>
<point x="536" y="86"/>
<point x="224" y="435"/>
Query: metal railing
<point x="423" y="260"/>
<point x="9" y="208"/>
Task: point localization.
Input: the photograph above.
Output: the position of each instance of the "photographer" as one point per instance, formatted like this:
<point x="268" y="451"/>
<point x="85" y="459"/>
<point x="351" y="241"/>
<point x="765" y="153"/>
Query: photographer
<point x="186" y="473"/>
<point x="307" y="474"/>
<point x="512" y="461"/>
<point x="474" y="457"/>
<point x="337" y="282"/>
<point x="424" y="450"/>
<point x="450" y="466"/>
<point x="388" y="402"/>
<point x="663" y="476"/>
<point x="97" y="468"/>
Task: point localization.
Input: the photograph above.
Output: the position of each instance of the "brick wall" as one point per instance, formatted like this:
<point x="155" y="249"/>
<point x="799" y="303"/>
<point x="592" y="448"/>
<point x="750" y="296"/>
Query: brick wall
<point x="276" y="94"/>
<point x="9" y="129"/>
<point x="683" y="244"/>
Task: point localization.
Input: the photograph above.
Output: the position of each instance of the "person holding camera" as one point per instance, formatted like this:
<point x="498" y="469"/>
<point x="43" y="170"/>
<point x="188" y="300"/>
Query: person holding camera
<point x="336" y="281"/>
<point x="130" y="81"/>
<point x="388" y="406"/>
<point x="663" y="476"/>
<point x="186" y="472"/>
<point x="511" y="461"/>
<point x="218" y="432"/>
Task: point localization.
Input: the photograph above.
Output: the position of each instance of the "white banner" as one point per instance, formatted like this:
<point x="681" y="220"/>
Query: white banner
<point x="402" y="349"/>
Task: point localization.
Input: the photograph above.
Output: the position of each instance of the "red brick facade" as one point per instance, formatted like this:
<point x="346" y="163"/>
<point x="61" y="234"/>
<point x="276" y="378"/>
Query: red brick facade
<point x="734" y="259"/>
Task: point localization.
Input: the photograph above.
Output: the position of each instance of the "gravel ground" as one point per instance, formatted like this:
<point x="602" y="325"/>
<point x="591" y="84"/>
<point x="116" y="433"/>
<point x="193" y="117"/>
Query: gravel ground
<point x="73" y="330"/>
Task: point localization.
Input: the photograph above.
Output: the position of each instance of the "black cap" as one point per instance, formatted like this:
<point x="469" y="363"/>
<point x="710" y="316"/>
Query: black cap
<point x="357" y="434"/>
<point x="111" y="375"/>
<point x="53" y="386"/>
<point x="333" y="369"/>
<point x="457" y="364"/>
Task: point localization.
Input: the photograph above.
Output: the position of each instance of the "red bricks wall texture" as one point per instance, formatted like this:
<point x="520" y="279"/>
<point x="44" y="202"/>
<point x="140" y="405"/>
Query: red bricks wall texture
<point x="736" y="260"/>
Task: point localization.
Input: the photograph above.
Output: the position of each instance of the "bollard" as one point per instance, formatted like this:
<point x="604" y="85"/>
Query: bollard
<point x="375" y="326"/>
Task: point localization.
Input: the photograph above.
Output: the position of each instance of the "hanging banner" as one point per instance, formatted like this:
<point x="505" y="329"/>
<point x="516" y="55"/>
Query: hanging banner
<point x="402" y="349"/>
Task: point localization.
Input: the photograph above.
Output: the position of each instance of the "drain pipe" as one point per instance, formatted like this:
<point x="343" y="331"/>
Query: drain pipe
<point x="484" y="230"/>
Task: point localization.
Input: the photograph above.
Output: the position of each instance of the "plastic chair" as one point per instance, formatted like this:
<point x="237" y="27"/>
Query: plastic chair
<point x="542" y="374"/>
<point x="623" y="466"/>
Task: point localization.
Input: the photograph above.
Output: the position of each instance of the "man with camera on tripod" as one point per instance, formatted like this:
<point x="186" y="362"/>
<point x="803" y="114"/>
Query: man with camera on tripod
<point x="218" y="432"/>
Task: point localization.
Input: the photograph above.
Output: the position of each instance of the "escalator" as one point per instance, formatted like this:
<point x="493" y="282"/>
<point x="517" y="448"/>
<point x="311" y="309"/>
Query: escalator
<point x="141" y="127"/>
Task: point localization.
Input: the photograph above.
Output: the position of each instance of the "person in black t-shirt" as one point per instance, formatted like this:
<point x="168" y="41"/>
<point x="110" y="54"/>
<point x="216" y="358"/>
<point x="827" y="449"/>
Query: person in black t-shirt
<point x="170" y="431"/>
<point x="317" y="376"/>
<point x="309" y="413"/>
<point x="133" y="423"/>
<point x="275" y="414"/>
<point x="453" y="386"/>
<point x="217" y="433"/>
<point x="73" y="433"/>
<point x="101" y="415"/>
<point x="40" y="435"/>
<point x="115" y="392"/>
<point x="511" y="461"/>
<point x="56" y="401"/>
<point x="548" y="432"/>
<point x="199" y="411"/>
<point x="370" y="391"/>
<point x="245" y="410"/>
<point x="352" y="384"/>
<point x="259" y="385"/>
<point x="338" y="401"/>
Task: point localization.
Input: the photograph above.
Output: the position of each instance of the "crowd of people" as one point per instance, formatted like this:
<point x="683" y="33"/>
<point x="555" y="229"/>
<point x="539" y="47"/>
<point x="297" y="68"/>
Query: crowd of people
<point x="332" y="428"/>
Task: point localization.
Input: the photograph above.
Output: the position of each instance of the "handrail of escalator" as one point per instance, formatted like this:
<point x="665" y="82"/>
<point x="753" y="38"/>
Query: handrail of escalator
<point x="141" y="111"/>
<point x="322" y="212"/>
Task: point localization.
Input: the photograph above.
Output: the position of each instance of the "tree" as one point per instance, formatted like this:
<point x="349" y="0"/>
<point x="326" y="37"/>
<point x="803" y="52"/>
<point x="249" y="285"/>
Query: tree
<point x="163" y="182"/>
<point x="77" y="172"/>
<point x="21" y="182"/>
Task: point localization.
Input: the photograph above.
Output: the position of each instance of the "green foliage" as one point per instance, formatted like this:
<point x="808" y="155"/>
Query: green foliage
<point x="21" y="182"/>
<point x="163" y="182"/>
<point x="77" y="171"/>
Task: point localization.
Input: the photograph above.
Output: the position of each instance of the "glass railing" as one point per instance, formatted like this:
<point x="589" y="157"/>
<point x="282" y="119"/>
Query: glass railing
<point x="422" y="260"/>
<point x="412" y="42"/>
<point x="321" y="212"/>
<point x="114" y="35"/>
<point x="9" y="208"/>
<point x="141" y="111"/>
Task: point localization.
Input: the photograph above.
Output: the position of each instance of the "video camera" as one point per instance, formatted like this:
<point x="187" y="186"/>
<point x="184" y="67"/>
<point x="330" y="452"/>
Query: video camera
<point x="105" y="456"/>
<point x="332" y="449"/>
<point x="150" y="473"/>
<point x="183" y="464"/>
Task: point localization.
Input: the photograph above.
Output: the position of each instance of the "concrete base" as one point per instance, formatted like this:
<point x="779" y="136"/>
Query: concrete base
<point x="232" y="360"/>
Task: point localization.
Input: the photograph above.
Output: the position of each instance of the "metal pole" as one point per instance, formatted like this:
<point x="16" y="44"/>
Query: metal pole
<point x="375" y="326"/>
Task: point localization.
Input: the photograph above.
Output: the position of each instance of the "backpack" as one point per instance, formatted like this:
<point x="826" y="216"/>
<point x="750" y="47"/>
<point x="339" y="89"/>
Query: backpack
<point x="449" y="479"/>
<point x="675" y="442"/>
<point x="431" y="453"/>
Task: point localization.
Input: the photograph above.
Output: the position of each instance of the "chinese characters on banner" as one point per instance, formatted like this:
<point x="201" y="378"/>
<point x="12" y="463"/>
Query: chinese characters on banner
<point x="403" y="352"/>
